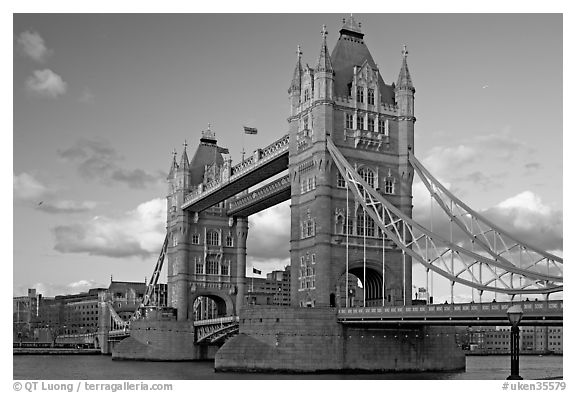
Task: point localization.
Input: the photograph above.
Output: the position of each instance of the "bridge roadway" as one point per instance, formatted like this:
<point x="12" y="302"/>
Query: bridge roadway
<point x="536" y="313"/>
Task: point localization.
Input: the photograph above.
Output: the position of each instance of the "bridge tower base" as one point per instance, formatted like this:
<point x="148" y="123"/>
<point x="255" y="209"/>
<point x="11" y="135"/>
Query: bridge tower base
<point x="311" y="340"/>
<point x="162" y="341"/>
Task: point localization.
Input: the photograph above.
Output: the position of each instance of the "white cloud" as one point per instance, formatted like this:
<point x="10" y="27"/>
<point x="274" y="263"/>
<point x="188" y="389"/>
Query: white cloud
<point x="32" y="45"/>
<point x="27" y="188"/>
<point x="46" y="83"/>
<point x="48" y="289"/>
<point x="269" y="233"/>
<point x="440" y="159"/>
<point x="530" y="220"/>
<point x="139" y="232"/>
<point x="66" y="206"/>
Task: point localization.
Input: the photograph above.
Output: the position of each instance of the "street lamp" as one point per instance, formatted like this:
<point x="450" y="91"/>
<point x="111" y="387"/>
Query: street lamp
<point x="514" y="316"/>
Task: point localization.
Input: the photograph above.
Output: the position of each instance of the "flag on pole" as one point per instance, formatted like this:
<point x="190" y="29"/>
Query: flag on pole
<point x="256" y="271"/>
<point x="223" y="150"/>
<point x="250" y="130"/>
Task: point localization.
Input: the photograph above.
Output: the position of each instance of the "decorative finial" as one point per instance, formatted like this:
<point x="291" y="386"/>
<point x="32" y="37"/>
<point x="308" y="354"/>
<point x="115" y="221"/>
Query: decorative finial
<point x="405" y="51"/>
<point x="324" y="31"/>
<point x="174" y="153"/>
<point x="185" y="144"/>
<point x="208" y="126"/>
<point x="343" y="21"/>
<point x="298" y="52"/>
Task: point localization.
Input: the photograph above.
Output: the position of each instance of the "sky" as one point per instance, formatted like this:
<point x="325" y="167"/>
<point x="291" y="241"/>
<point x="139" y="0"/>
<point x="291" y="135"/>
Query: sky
<point x="101" y="100"/>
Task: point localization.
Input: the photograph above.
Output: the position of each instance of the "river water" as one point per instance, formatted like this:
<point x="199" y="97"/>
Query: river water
<point x="90" y="367"/>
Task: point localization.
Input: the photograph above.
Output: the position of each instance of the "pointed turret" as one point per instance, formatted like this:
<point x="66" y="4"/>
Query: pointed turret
<point x="297" y="77"/>
<point x="324" y="62"/>
<point x="324" y="72"/>
<point x="295" y="88"/>
<point x="404" y="79"/>
<point x="404" y="90"/>
<point x="184" y="162"/>
<point x="173" y="166"/>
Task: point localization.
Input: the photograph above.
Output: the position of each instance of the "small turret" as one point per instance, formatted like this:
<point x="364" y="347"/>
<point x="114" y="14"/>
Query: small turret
<point x="404" y="89"/>
<point x="296" y="84"/>
<point x="324" y="72"/>
<point x="173" y="166"/>
<point x="183" y="171"/>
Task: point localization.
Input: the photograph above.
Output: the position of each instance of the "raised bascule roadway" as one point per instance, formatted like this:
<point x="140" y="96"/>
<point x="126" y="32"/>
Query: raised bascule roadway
<point x="347" y="164"/>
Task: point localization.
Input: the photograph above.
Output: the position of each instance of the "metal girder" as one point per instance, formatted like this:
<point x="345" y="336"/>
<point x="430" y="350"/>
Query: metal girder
<point x="484" y="227"/>
<point x="264" y="197"/>
<point x="401" y="229"/>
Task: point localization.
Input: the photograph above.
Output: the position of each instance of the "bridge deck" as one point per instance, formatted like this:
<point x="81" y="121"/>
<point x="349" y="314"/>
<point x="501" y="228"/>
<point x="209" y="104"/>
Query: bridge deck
<point x="488" y="314"/>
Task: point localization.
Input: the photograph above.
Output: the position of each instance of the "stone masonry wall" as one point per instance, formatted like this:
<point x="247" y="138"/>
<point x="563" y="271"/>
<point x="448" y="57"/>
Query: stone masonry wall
<point x="310" y="340"/>
<point x="162" y="340"/>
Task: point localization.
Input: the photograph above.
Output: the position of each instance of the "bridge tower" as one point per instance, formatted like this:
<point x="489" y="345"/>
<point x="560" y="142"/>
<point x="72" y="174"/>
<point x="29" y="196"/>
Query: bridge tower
<point x="344" y="97"/>
<point x="206" y="251"/>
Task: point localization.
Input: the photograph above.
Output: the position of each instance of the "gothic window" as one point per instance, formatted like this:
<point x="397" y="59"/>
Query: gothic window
<point x="340" y="181"/>
<point x="360" y="94"/>
<point x="301" y="261"/>
<point x="370" y="123"/>
<point x="195" y="238"/>
<point x="229" y="241"/>
<point x="349" y="226"/>
<point x="211" y="265"/>
<point x="305" y="122"/>
<point x="389" y="186"/>
<point x="306" y="95"/>
<point x="370" y="96"/>
<point x="213" y="238"/>
<point x="349" y="89"/>
<point x="349" y="121"/>
<point x="313" y="261"/>
<point x="199" y="267"/>
<point x="225" y="268"/>
<point x="308" y="229"/>
<point x="174" y="239"/>
<point x="368" y="175"/>
<point x="303" y="184"/>
<point x="360" y="122"/>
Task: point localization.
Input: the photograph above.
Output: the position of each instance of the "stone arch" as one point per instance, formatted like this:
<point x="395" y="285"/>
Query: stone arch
<point x="372" y="282"/>
<point x="223" y="303"/>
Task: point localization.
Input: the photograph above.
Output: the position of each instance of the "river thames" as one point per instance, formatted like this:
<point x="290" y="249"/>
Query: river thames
<point x="94" y="367"/>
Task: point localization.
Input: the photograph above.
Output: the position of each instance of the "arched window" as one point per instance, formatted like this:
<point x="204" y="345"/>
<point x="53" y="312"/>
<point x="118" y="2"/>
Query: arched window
<point x="340" y="181"/>
<point x="389" y="185"/>
<point x="213" y="238"/>
<point x="368" y="175"/>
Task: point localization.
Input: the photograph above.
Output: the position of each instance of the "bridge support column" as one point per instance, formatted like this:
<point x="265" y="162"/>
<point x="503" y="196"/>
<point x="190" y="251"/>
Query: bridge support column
<point x="241" y="236"/>
<point x="104" y="326"/>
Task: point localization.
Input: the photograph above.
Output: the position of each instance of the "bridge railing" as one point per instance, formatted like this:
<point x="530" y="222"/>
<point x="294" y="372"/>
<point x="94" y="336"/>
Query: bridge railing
<point x="529" y="307"/>
<point x="216" y="321"/>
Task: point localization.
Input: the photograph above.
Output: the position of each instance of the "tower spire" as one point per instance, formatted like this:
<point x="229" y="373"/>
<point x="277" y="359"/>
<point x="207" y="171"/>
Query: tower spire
<point x="404" y="79"/>
<point x="324" y="62"/>
<point x="184" y="163"/>
<point x="173" y="165"/>
<point x="297" y="77"/>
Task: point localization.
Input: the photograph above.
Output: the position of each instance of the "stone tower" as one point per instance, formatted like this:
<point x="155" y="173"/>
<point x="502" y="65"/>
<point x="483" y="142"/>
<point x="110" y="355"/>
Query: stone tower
<point x="206" y="251"/>
<point x="344" y="97"/>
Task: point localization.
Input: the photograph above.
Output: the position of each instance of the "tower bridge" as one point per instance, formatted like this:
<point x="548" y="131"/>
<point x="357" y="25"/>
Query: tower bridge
<point x="347" y="164"/>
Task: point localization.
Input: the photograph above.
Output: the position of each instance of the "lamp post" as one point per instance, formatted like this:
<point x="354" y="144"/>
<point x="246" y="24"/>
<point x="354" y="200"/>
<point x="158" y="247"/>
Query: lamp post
<point x="514" y="316"/>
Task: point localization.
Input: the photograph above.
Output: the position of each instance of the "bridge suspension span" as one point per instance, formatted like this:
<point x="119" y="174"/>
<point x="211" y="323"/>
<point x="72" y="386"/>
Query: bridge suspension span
<point x="482" y="256"/>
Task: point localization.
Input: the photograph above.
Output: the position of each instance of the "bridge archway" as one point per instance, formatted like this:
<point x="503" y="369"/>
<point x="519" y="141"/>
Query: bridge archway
<point x="369" y="283"/>
<point x="207" y="305"/>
